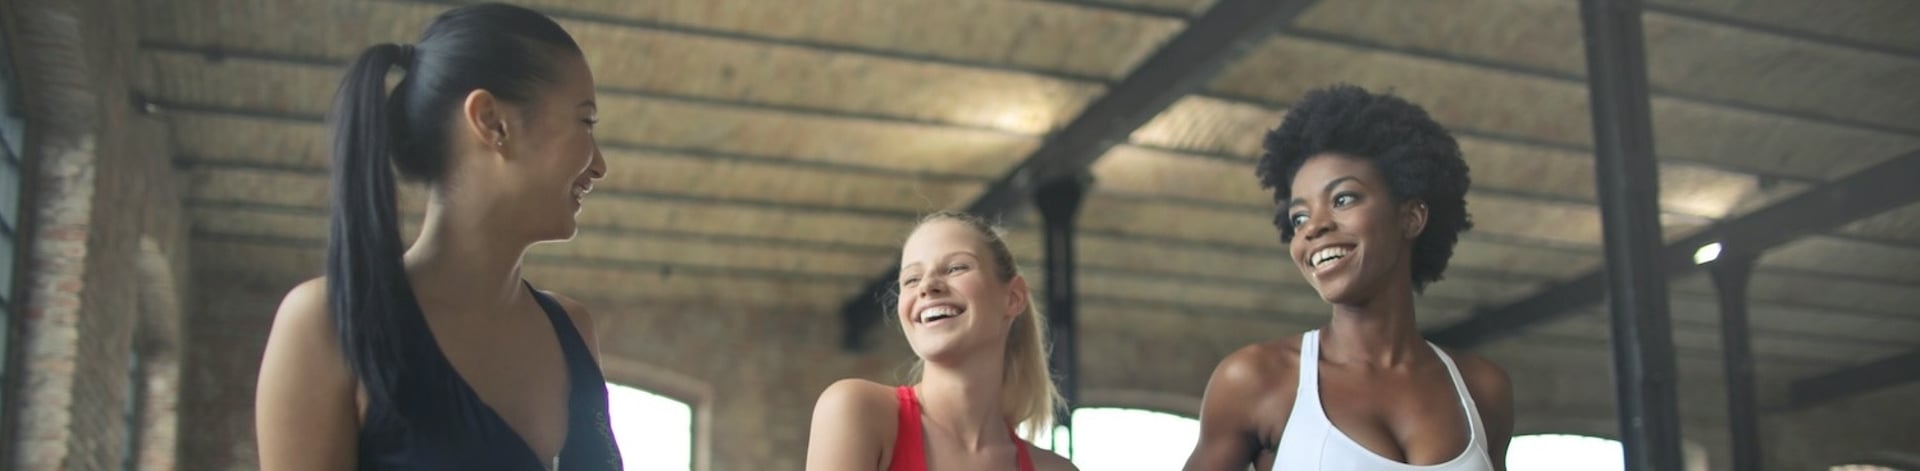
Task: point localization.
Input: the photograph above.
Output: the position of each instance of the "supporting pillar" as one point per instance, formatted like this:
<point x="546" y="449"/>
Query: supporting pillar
<point x="1628" y="182"/>
<point x="1730" y="274"/>
<point x="1059" y="202"/>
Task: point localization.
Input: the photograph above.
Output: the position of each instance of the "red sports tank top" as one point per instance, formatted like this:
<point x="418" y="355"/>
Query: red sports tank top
<point x="910" y="450"/>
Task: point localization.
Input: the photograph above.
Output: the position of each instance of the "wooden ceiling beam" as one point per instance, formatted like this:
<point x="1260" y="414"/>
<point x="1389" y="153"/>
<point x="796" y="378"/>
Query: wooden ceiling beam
<point x="1225" y="33"/>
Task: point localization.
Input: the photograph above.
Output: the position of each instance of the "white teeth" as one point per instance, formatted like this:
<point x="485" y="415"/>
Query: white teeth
<point x="939" y="312"/>
<point x="1327" y="254"/>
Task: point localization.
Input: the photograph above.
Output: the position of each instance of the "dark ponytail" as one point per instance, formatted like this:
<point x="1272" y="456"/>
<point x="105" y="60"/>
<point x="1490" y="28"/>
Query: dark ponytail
<point x="503" y="49"/>
<point x="365" y="278"/>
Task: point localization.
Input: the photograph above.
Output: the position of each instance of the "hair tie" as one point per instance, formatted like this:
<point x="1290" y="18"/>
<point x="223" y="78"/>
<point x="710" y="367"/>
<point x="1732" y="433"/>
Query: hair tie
<point x="405" y="61"/>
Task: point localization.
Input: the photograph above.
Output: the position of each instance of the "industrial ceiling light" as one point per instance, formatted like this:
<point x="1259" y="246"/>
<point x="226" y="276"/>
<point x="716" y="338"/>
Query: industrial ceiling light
<point x="1707" y="253"/>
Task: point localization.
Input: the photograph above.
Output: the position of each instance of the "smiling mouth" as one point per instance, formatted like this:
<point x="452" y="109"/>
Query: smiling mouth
<point x="1328" y="257"/>
<point x="937" y="313"/>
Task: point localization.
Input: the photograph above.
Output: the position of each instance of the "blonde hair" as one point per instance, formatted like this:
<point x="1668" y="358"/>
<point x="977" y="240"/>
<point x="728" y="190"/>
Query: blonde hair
<point x="1028" y="396"/>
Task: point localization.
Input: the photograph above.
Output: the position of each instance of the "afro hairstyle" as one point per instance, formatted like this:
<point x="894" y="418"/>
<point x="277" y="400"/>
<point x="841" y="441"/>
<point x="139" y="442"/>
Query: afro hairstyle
<point x="1418" y="158"/>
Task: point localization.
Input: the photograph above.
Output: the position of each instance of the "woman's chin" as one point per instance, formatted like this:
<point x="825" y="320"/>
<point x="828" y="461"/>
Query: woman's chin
<point x="1343" y="294"/>
<point x="940" y="349"/>
<point x="561" y="231"/>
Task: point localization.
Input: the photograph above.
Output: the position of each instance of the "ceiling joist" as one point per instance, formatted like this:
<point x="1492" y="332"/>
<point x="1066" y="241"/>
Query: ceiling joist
<point x="1228" y="30"/>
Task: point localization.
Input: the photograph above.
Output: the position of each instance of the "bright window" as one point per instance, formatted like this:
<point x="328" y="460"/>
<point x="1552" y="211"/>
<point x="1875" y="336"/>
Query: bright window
<point x="1564" y="453"/>
<point x="655" y="432"/>
<point x="1106" y="438"/>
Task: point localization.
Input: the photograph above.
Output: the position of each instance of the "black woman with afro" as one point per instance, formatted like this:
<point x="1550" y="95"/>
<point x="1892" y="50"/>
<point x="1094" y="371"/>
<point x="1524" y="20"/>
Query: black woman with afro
<point x="1370" y="197"/>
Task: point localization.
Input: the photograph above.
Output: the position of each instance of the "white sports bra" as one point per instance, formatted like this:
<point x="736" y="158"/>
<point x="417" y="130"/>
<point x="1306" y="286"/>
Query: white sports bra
<point x="1311" y="442"/>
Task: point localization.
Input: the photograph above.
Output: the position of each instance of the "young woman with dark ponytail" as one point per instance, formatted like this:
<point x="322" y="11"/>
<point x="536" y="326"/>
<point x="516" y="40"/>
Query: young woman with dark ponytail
<point x="438" y="355"/>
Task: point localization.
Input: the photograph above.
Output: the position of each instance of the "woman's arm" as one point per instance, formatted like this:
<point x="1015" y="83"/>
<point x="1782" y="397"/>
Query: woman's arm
<point x="1228" y="441"/>
<point x="305" y="412"/>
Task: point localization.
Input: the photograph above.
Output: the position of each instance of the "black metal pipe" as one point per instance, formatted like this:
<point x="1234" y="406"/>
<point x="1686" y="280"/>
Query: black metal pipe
<point x="1059" y="202"/>
<point x="1628" y="182"/>
<point x="1730" y="275"/>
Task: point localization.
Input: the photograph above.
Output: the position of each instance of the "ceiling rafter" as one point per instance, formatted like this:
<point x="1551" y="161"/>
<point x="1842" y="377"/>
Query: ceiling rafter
<point x="1228" y="31"/>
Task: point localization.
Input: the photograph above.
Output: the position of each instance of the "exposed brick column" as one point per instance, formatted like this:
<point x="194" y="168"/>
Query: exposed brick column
<point x="52" y="60"/>
<point x="100" y="199"/>
<point x="159" y="346"/>
<point x="160" y="421"/>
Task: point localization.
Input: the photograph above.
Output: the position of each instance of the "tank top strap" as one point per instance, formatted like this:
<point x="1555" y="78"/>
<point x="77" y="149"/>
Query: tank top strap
<point x="909" y="451"/>
<point x="1474" y="424"/>
<point x="572" y="346"/>
<point x="590" y="444"/>
<point x="1309" y="364"/>
<point x="1020" y="447"/>
<point x="910" y="448"/>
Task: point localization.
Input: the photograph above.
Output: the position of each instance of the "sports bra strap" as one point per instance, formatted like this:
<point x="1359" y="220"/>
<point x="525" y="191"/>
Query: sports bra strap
<point x="910" y="448"/>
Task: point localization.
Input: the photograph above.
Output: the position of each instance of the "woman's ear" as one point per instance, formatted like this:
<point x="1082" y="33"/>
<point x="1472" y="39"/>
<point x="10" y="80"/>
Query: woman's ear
<point x="1018" y="297"/>
<point x="1413" y="219"/>
<point x="485" y="119"/>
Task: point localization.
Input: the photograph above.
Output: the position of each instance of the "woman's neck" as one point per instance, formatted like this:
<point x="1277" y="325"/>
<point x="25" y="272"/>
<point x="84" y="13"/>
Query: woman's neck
<point x="1380" y="332"/>
<point x="965" y="399"/>
<point x="459" y="256"/>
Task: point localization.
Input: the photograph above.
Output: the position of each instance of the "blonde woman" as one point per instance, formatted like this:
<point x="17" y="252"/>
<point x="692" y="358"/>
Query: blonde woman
<point x="982" y="367"/>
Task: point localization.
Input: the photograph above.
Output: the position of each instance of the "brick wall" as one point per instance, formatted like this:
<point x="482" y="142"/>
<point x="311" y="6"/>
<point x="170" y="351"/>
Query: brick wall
<point x="158" y="342"/>
<point x="227" y="323"/>
<point x="101" y="182"/>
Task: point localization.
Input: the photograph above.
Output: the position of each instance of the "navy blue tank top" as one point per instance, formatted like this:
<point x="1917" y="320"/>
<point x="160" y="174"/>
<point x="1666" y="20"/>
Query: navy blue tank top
<point x="472" y="436"/>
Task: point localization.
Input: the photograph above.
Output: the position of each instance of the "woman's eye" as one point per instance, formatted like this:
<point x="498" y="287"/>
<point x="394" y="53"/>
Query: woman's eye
<point x="1298" y="220"/>
<point x="1345" y="199"/>
<point x="956" y="268"/>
